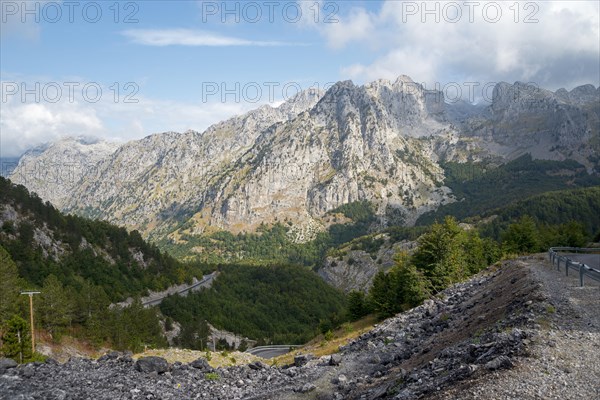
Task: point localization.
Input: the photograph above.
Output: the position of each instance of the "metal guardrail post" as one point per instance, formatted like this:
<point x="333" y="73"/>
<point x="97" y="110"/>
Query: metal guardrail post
<point x="584" y="269"/>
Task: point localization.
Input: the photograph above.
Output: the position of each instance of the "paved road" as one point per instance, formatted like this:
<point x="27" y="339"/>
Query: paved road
<point x="593" y="260"/>
<point x="269" y="351"/>
<point x="205" y="282"/>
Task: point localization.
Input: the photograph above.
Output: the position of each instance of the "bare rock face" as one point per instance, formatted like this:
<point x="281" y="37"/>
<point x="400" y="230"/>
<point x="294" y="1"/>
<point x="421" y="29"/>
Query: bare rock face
<point x="53" y="170"/>
<point x="354" y="268"/>
<point x="358" y="143"/>
<point x="526" y="119"/>
<point x="381" y="142"/>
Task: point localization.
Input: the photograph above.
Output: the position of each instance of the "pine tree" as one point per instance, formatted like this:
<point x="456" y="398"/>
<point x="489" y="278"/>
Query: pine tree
<point x="16" y="340"/>
<point x="10" y="284"/>
<point x="357" y="307"/>
<point x="381" y="296"/>
<point x="56" y="309"/>
<point x="410" y="285"/>
<point x="441" y="255"/>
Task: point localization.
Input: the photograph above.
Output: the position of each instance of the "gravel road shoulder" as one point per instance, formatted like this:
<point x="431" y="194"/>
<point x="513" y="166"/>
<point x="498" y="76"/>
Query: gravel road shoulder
<point x="565" y="355"/>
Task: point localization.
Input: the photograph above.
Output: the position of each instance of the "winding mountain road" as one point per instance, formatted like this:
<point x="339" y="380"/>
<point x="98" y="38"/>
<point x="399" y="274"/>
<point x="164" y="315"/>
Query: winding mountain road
<point x="205" y="282"/>
<point x="270" y="351"/>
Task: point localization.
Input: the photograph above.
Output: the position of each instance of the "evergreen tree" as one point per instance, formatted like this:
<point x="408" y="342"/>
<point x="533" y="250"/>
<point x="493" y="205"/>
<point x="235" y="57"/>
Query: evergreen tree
<point x="357" y="307"/>
<point x="381" y="296"/>
<point x="441" y="254"/>
<point x="16" y="340"/>
<point x="410" y="285"/>
<point x="10" y="284"/>
<point x="56" y="309"/>
<point x="91" y="300"/>
<point x="243" y="345"/>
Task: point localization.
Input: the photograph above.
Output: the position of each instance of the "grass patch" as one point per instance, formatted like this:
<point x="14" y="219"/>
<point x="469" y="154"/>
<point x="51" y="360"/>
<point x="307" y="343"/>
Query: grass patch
<point x="319" y="346"/>
<point x="212" y="376"/>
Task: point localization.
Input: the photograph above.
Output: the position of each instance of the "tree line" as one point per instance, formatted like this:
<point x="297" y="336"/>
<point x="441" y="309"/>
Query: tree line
<point x="447" y="254"/>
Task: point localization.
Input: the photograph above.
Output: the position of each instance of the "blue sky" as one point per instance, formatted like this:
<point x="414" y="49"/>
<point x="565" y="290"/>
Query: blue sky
<point x="165" y="56"/>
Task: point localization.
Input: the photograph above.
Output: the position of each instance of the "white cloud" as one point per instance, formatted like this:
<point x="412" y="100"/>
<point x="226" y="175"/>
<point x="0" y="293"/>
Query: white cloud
<point x="26" y="124"/>
<point x="561" y="49"/>
<point x="354" y="27"/>
<point x="187" y="37"/>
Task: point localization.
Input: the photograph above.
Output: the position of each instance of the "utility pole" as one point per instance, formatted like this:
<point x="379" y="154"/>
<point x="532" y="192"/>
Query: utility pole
<point x="31" y="293"/>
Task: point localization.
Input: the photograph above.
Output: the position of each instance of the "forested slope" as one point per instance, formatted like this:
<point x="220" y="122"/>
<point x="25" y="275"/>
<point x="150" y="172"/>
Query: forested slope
<point x="479" y="188"/>
<point x="43" y="241"/>
<point x="273" y="304"/>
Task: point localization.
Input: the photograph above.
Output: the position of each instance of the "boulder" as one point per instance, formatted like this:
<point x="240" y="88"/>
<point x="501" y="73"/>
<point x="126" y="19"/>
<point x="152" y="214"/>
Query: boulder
<point x="500" y="362"/>
<point x="113" y="355"/>
<point x="308" y="387"/>
<point x="302" y="359"/>
<point x="201" y="364"/>
<point x="6" y="364"/>
<point x="258" y="365"/>
<point x="335" y="359"/>
<point x="152" y="364"/>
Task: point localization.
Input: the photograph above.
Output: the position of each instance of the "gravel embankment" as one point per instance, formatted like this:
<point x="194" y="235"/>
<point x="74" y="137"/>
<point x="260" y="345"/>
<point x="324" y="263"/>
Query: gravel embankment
<point x="565" y="356"/>
<point x="519" y="331"/>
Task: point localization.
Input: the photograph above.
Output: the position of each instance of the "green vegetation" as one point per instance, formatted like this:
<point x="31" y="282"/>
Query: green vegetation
<point x="95" y="251"/>
<point x="16" y="339"/>
<point x="93" y="265"/>
<point x="357" y="305"/>
<point x="446" y="254"/>
<point x="212" y="376"/>
<point x="479" y="189"/>
<point x="274" y="304"/>
<point x="272" y="297"/>
<point x="561" y="218"/>
<point x="272" y="244"/>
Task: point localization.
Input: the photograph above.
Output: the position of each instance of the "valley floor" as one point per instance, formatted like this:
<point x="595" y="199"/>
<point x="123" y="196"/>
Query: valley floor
<point x="517" y="331"/>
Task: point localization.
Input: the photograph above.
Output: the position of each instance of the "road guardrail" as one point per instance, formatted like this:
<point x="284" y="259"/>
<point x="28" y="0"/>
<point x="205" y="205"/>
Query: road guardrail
<point x="583" y="269"/>
<point x="277" y="348"/>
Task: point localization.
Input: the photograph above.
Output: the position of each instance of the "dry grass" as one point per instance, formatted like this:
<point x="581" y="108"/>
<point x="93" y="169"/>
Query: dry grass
<point x="319" y="346"/>
<point x="215" y="359"/>
<point x="66" y="348"/>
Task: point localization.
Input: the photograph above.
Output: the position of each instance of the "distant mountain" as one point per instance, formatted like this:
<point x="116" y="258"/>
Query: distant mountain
<point x="8" y="165"/>
<point x="526" y="119"/>
<point x="53" y="170"/>
<point x="384" y="142"/>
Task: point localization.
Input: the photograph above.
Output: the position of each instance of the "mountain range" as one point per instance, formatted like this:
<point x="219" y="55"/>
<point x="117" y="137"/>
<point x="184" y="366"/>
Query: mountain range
<point x="384" y="142"/>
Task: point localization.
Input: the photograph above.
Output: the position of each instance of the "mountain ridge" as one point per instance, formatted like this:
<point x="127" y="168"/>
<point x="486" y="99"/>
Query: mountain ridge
<point x="381" y="142"/>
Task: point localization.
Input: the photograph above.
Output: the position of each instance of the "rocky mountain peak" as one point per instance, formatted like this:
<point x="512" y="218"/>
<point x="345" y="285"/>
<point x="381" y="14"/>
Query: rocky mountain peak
<point x="52" y="170"/>
<point x="585" y="94"/>
<point x="302" y="101"/>
<point x="379" y="142"/>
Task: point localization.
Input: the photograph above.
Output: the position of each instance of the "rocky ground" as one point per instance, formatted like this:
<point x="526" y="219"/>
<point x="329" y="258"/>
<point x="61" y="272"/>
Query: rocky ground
<point x="519" y="331"/>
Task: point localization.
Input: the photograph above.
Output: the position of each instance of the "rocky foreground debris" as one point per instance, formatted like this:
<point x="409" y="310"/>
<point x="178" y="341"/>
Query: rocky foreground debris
<point x="481" y="327"/>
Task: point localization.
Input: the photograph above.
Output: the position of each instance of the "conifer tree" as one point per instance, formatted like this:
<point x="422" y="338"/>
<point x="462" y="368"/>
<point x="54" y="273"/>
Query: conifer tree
<point x="16" y="340"/>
